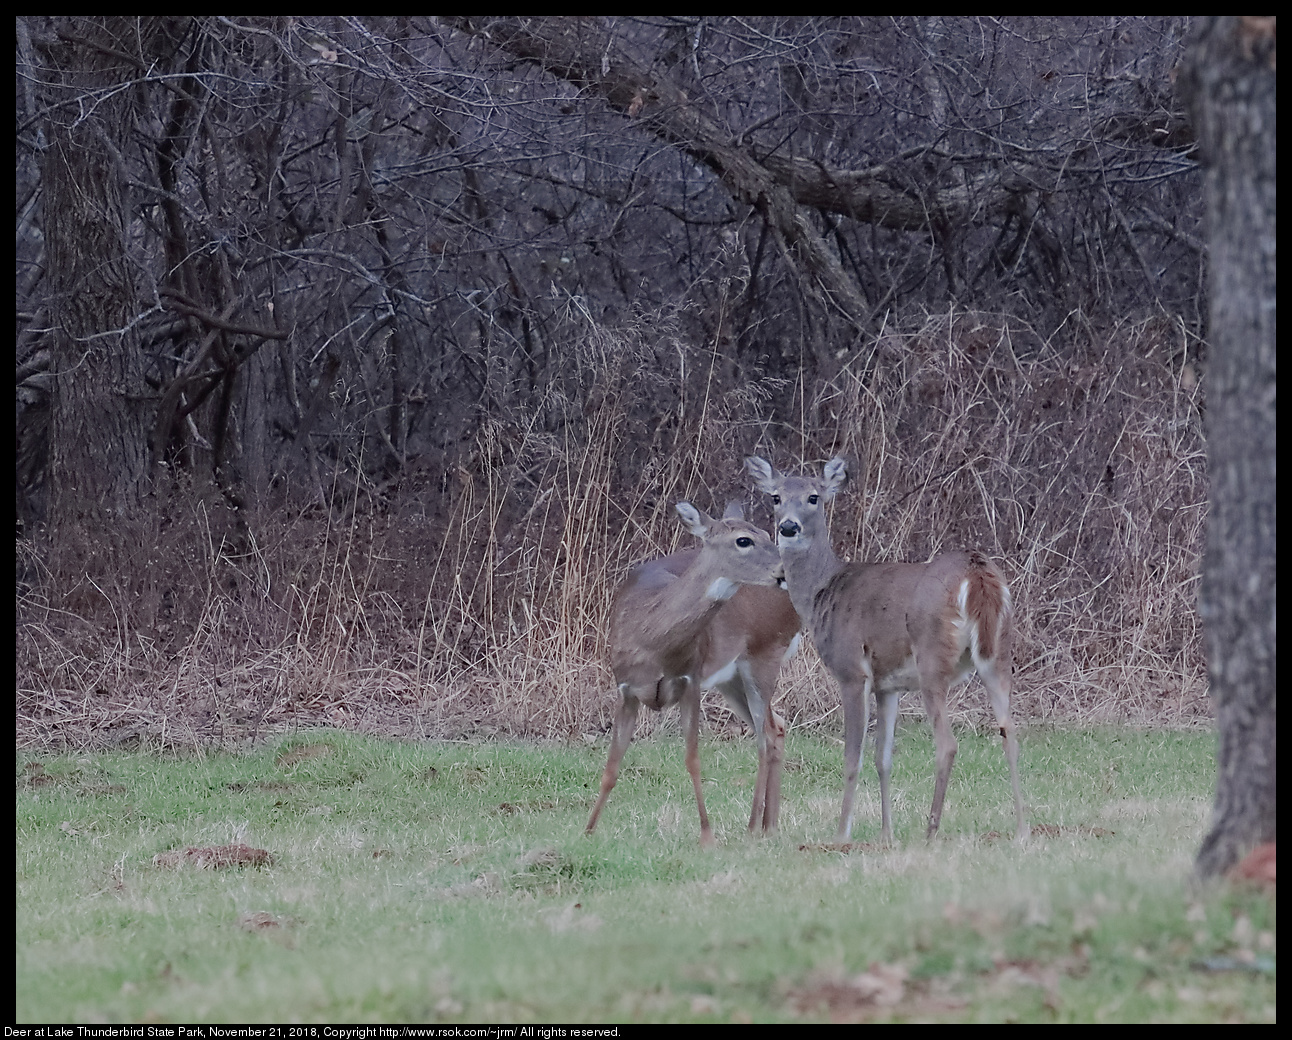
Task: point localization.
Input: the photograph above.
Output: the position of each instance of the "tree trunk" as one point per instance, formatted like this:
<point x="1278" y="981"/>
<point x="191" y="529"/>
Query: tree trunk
<point x="1228" y="81"/>
<point x="101" y="405"/>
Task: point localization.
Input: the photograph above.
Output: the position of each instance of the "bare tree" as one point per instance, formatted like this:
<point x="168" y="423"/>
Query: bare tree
<point x="424" y="269"/>
<point x="815" y="124"/>
<point x="1230" y="86"/>
<point x="99" y="465"/>
<point x="345" y="244"/>
<point x="367" y="261"/>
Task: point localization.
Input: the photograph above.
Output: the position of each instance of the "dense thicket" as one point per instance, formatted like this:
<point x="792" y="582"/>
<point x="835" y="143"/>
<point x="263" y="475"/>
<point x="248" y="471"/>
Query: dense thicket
<point x="361" y="347"/>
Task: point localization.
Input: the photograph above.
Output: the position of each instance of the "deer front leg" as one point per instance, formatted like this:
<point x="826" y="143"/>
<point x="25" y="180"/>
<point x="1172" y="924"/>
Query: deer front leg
<point x="884" y="733"/>
<point x="856" y="719"/>
<point x="691" y="727"/>
<point x="758" y="812"/>
<point x="621" y="736"/>
<point x="775" y="758"/>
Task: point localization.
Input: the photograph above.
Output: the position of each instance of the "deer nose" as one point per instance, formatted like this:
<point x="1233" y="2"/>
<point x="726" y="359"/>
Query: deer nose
<point x="789" y="529"/>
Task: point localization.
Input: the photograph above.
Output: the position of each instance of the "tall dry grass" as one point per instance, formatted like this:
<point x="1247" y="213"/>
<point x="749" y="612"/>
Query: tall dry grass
<point x="473" y="598"/>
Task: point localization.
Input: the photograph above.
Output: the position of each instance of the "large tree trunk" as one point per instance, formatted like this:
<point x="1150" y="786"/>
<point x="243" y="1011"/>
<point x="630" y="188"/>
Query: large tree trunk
<point x="101" y="405"/>
<point x="1229" y="84"/>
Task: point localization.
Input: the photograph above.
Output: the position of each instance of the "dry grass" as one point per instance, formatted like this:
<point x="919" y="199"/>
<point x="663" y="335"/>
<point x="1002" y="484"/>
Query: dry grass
<point x="474" y="601"/>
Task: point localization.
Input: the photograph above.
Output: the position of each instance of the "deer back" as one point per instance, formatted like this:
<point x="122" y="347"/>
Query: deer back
<point x="862" y="617"/>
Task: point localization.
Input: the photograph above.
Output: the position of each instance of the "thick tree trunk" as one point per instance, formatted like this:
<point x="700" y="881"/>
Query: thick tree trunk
<point x="101" y="405"/>
<point x="1229" y="84"/>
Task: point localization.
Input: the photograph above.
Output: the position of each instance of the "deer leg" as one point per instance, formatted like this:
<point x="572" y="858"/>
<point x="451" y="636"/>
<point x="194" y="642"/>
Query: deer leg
<point x="769" y="728"/>
<point x="998" y="690"/>
<point x="764" y="673"/>
<point x="621" y="735"/>
<point x="856" y="719"/>
<point x="691" y="727"/>
<point x="753" y="710"/>
<point x="758" y="813"/>
<point x="775" y="758"/>
<point x="884" y="734"/>
<point x="767" y="787"/>
<point x="944" y="744"/>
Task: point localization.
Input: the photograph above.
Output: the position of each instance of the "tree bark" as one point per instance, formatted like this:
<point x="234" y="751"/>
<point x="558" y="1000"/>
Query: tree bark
<point x="101" y="404"/>
<point x="1229" y="82"/>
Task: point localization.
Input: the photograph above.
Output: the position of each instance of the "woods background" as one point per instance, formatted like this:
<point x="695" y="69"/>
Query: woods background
<point x="358" y="359"/>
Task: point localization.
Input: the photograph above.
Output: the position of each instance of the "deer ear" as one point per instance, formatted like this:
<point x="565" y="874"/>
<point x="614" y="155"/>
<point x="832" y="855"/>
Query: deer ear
<point x="697" y="522"/>
<point x="762" y="472"/>
<point x="734" y="510"/>
<point x="835" y="472"/>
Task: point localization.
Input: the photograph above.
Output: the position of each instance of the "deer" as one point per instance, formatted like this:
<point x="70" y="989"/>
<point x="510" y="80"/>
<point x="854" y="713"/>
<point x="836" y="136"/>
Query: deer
<point x="712" y="617"/>
<point x="889" y="628"/>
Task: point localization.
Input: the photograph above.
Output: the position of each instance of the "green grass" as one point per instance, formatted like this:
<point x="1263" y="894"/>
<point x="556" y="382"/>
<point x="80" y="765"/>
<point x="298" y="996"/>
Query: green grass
<point x="452" y="882"/>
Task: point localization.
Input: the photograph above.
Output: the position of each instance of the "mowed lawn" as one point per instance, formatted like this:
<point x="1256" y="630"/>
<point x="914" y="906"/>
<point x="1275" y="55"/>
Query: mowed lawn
<point x="452" y="882"/>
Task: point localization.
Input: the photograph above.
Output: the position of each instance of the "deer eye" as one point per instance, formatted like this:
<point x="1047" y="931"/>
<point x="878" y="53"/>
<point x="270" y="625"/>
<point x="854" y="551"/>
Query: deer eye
<point x="776" y="500"/>
<point x="744" y="542"/>
<point x="812" y="500"/>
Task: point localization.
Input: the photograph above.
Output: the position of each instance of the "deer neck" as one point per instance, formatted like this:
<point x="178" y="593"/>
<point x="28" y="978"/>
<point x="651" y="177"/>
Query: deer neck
<point x="808" y="569"/>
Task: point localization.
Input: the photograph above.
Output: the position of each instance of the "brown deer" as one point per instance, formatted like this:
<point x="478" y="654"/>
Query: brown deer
<point x="695" y="620"/>
<point x="890" y="628"/>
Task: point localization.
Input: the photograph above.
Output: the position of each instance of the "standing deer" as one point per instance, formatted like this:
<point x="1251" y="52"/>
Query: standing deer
<point x="694" y="620"/>
<point x="893" y="627"/>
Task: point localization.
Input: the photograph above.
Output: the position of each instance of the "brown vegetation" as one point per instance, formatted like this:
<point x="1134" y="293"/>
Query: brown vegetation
<point x="359" y="357"/>
<point x="483" y="610"/>
<point x="213" y="857"/>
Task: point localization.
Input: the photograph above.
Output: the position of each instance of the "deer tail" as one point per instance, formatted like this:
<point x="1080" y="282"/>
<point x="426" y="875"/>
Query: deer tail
<point x="988" y="606"/>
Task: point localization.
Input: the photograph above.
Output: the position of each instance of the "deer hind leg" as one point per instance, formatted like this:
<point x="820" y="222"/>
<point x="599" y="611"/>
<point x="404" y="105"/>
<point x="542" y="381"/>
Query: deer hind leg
<point x="758" y="811"/>
<point x="622" y="735"/>
<point x="944" y="745"/>
<point x="691" y="727"/>
<point x="998" y="687"/>
<point x="886" y="704"/>
<point x="769" y="729"/>
<point x="856" y="720"/>
<point x="767" y="788"/>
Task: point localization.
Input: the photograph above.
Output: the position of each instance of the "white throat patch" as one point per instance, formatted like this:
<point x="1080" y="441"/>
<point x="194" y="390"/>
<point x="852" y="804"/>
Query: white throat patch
<point x="721" y="589"/>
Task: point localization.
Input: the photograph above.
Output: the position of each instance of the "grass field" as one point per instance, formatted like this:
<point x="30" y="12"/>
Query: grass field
<point x="453" y="882"/>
